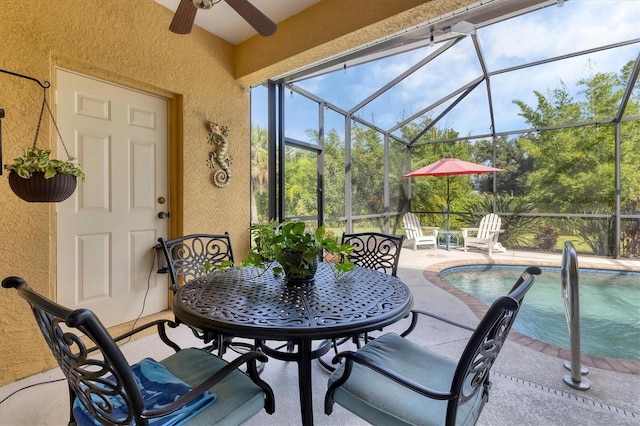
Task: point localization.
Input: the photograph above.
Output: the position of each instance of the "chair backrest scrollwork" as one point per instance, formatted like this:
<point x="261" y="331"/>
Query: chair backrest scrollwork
<point x="374" y="250"/>
<point x="95" y="375"/>
<point x="482" y="349"/>
<point x="188" y="255"/>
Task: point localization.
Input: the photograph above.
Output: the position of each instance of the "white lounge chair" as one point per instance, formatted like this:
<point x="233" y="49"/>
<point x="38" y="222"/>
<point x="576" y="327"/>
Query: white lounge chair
<point x="486" y="235"/>
<point x="415" y="234"/>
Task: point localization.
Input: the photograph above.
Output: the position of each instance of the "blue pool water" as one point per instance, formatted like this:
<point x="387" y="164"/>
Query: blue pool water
<point x="609" y="305"/>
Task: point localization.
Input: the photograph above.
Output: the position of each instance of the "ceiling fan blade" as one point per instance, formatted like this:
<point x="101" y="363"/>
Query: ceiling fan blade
<point x="182" y="21"/>
<point x="258" y="20"/>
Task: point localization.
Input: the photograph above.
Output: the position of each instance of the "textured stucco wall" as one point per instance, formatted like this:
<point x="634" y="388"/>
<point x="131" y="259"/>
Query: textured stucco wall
<point x="128" y="42"/>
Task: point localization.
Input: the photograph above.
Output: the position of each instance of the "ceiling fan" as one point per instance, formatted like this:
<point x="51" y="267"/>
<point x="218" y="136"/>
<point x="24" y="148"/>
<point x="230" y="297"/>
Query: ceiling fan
<point x="182" y="21"/>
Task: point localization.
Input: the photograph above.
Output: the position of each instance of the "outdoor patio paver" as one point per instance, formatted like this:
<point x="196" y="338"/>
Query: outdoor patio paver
<point x="527" y="378"/>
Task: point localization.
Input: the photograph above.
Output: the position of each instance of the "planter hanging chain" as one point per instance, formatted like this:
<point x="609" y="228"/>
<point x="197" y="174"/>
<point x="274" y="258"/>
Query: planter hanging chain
<point x="44" y="86"/>
<point x="45" y="103"/>
<point x="39" y="188"/>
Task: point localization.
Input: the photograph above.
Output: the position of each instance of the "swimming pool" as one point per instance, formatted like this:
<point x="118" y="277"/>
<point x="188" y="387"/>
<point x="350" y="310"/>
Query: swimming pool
<point x="609" y="305"/>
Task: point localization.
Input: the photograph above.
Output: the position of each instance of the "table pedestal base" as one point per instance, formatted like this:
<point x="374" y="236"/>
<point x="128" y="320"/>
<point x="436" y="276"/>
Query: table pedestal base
<point x="303" y="356"/>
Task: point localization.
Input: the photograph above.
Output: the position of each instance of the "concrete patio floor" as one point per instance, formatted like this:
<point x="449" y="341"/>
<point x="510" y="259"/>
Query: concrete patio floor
<point x="528" y="387"/>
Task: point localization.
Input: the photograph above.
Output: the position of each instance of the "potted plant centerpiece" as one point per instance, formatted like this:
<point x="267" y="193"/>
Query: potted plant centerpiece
<point x="296" y="250"/>
<point x="35" y="177"/>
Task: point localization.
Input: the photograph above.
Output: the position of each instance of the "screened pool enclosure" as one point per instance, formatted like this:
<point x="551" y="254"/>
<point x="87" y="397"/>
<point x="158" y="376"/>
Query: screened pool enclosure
<point x="546" y="90"/>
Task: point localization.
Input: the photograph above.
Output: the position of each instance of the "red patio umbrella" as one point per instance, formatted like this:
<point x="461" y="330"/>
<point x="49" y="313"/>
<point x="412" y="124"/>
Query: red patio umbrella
<point x="449" y="167"/>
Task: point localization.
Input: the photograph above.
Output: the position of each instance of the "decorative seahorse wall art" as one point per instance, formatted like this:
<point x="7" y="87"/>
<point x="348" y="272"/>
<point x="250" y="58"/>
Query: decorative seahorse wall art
<point x="219" y="138"/>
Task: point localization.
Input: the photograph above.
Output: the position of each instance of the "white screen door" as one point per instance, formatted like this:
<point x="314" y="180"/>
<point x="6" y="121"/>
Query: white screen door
<point x="106" y="231"/>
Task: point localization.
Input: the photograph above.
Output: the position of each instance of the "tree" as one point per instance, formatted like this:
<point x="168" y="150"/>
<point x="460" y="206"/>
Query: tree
<point x="572" y="167"/>
<point x="367" y="172"/>
<point x="301" y="181"/>
<point x="259" y="174"/>
<point x="511" y="158"/>
<point x="334" y="171"/>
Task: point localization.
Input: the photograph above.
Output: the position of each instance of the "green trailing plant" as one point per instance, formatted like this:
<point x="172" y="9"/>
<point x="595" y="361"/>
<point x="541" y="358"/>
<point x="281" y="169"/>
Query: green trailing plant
<point x="281" y="242"/>
<point x="37" y="160"/>
<point x="222" y="266"/>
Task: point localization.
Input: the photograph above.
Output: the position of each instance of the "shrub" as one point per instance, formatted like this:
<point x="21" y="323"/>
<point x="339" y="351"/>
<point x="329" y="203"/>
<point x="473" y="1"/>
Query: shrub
<point x="517" y="228"/>
<point x="546" y="237"/>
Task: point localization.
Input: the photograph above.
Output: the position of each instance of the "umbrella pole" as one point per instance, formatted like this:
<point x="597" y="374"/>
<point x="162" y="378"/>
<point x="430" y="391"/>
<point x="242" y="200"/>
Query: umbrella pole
<point x="448" y="205"/>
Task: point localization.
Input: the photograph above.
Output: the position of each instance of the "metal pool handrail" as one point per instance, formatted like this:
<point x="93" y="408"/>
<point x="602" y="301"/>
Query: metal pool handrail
<point x="570" y="295"/>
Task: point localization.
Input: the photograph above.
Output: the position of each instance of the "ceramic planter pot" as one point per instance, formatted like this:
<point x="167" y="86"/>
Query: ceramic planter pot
<point x="296" y="270"/>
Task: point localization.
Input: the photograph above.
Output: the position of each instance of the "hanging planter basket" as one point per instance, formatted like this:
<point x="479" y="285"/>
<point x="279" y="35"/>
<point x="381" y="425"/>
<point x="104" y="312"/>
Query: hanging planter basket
<point x="37" y="189"/>
<point x="27" y="173"/>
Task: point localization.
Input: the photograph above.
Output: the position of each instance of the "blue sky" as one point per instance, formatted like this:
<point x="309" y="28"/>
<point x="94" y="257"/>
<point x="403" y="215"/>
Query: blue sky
<point x="554" y="31"/>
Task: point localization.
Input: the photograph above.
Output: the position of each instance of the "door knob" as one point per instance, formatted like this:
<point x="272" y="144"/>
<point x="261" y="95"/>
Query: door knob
<point x="163" y="215"/>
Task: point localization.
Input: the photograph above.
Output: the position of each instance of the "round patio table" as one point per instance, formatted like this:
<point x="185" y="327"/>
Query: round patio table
<point x="255" y="304"/>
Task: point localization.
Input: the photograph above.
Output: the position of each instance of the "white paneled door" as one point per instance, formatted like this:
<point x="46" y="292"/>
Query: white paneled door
<point x="107" y="229"/>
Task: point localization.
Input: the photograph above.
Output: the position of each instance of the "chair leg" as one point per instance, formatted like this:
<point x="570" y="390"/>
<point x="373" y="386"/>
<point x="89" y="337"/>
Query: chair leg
<point x="72" y="398"/>
<point x="221" y="345"/>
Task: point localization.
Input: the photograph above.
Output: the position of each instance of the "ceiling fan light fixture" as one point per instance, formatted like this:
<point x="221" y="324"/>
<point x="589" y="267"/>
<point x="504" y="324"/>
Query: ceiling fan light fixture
<point x="205" y="4"/>
<point x="186" y="14"/>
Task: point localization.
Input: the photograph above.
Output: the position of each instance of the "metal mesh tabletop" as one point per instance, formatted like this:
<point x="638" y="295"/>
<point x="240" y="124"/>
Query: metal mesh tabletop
<point x="256" y="304"/>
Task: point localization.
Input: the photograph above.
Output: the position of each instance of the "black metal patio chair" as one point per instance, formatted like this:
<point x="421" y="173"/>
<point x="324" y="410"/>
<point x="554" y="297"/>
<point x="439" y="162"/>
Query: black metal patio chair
<point x="188" y="256"/>
<point x="393" y="381"/>
<point x="372" y="250"/>
<point x="193" y="256"/>
<point x="192" y="386"/>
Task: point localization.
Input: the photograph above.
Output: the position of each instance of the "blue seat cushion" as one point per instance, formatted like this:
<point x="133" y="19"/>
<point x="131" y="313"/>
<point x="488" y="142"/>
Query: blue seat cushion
<point x="382" y="401"/>
<point x="237" y="398"/>
<point x="159" y="387"/>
